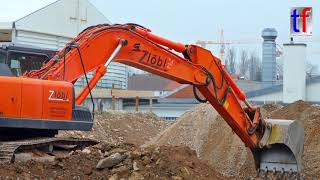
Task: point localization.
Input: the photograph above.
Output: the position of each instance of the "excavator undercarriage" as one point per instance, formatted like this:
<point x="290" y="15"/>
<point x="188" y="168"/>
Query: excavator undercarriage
<point x="8" y="149"/>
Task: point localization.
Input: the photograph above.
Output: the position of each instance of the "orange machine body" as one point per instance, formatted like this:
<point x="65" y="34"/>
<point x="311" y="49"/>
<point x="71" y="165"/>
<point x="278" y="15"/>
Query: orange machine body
<point x="35" y="99"/>
<point x="40" y="104"/>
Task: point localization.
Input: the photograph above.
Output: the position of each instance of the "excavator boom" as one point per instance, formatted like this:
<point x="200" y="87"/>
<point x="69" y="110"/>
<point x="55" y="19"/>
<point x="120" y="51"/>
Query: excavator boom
<point x="275" y="144"/>
<point x="143" y="50"/>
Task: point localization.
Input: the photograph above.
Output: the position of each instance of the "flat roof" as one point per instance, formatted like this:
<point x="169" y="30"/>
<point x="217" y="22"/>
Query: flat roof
<point x="6" y="25"/>
<point x="295" y="44"/>
<point x="278" y="88"/>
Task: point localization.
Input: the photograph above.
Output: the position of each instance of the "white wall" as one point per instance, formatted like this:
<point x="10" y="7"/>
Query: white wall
<point x="312" y="95"/>
<point x="38" y="39"/>
<point x="294" y="72"/>
<point x="313" y="92"/>
<point x="63" y="18"/>
<point x="103" y="104"/>
<point x="272" y="97"/>
<point x="163" y="112"/>
<point x="57" y="24"/>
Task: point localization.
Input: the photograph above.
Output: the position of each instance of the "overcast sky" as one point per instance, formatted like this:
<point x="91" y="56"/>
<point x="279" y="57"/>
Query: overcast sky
<point x="188" y="21"/>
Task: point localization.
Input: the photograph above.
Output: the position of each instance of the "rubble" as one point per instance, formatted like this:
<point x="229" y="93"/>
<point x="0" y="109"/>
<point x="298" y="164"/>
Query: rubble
<point x="116" y="127"/>
<point x="135" y="166"/>
<point x="165" y="162"/>
<point x="110" y="161"/>
<point x="28" y="156"/>
<point x="114" y="158"/>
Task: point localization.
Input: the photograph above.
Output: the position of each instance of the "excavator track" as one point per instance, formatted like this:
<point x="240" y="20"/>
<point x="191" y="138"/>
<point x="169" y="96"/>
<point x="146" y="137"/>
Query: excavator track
<point x="8" y="149"/>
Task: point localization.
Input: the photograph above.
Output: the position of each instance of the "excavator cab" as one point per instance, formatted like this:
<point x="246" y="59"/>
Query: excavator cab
<point x="33" y="107"/>
<point x="22" y="58"/>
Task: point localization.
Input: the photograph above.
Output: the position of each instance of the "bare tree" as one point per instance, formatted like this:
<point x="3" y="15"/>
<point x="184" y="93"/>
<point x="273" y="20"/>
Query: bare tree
<point x="231" y="60"/>
<point x="311" y="69"/>
<point x="255" y="67"/>
<point x="244" y="63"/>
<point x="279" y="70"/>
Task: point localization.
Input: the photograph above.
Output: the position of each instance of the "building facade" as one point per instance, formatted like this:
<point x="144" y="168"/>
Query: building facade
<point x="56" y="24"/>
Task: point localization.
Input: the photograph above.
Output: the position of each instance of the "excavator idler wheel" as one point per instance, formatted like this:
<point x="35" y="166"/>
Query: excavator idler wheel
<point x="281" y="146"/>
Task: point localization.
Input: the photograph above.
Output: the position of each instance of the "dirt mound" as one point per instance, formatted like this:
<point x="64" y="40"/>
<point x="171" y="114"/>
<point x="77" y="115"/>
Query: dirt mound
<point x="203" y="130"/>
<point x="118" y="127"/>
<point x="206" y="132"/>
<point x="295" y="110"/>
<point x="190" y="129"/>
<point x="271" y="107"/>
<point x="151" y="163"/>
<point x="309" y="115"/>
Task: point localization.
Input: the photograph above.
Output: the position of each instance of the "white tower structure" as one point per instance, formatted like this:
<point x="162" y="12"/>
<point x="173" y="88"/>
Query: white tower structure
<point x="294" y="72"/>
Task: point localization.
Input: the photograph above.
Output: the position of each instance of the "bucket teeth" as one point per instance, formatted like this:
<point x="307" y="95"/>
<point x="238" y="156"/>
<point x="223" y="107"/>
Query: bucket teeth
<point x="267" y="173"/>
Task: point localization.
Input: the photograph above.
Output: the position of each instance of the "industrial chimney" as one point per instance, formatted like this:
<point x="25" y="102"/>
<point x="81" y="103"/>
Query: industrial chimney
<point x="269" y="68"/>
<point x="294" y="72"/>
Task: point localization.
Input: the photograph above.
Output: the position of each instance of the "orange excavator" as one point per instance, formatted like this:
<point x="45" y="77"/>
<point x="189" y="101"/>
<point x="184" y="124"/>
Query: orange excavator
<point x="43" y="101"/>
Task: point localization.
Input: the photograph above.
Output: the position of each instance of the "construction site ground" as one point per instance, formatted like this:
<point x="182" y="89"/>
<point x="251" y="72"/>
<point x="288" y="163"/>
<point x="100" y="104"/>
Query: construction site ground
<point x="199" y="145"/>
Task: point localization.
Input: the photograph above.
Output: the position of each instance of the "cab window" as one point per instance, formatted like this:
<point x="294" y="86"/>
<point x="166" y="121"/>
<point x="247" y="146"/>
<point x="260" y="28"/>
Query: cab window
<point x="3" y="56"/>
<point x="20" y="62"/>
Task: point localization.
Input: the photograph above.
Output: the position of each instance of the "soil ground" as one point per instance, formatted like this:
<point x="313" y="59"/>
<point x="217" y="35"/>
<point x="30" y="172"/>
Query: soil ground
<point x="117" y="127"/>
<point x="203" y="130"/>
<point x="119" y="132"/>
<point x="207" y="133"/>
<point x="199" y="145"/>
<point x="152" y="163"/>
<point x="309" y="115"/>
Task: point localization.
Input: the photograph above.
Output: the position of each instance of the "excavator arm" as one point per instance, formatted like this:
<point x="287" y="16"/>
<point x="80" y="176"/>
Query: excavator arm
<point x="136" y="46"/>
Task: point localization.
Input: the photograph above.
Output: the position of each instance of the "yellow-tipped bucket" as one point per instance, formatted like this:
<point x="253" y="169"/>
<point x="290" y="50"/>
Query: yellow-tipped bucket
<point x="281" y="147"/>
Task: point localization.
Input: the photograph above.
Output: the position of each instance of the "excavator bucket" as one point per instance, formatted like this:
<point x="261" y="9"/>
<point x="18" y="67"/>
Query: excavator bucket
<point x="281" y="147"/>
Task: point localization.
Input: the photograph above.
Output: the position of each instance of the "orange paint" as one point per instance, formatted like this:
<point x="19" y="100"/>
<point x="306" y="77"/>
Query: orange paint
<point x="150" y="53"/>
<point x="30" y="98"/>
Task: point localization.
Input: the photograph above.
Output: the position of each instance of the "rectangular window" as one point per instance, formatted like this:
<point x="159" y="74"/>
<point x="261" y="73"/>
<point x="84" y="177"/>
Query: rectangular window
<point x="3" y="56"/>
<point x="21" y="62"/>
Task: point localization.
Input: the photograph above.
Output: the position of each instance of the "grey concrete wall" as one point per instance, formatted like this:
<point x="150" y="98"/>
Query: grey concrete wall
<point x="103" y="104"/>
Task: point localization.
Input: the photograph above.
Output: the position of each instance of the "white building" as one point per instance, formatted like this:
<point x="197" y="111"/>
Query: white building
<point x="296" y="86"/>
<point x="55" y="25"/>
